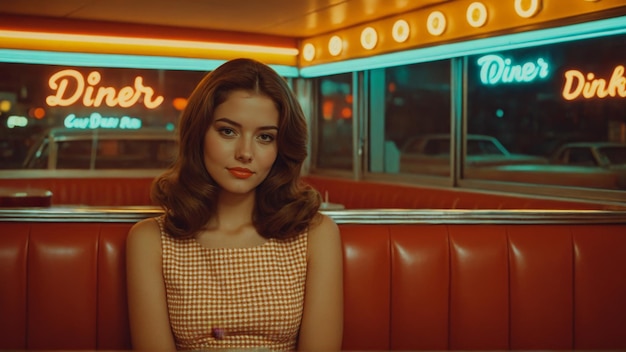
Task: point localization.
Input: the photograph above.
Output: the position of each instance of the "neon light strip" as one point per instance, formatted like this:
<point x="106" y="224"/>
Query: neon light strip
<point x="601" y="28"/>
<point x="121" y="61"/>
<point x="79" y="38"/>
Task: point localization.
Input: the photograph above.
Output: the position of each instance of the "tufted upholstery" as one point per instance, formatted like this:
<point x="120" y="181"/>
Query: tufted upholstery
<point x="484" y="287"/>
<point x="407" y="287"/>
<point x="63" y="286"/>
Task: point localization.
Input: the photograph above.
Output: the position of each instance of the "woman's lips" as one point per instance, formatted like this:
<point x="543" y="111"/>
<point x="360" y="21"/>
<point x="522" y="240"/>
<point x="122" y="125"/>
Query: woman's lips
<point x="240" y="172"/>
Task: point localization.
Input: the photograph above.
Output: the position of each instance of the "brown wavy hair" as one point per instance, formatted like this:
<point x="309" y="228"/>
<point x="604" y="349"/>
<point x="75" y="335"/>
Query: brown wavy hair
<point x="285" y="206"/>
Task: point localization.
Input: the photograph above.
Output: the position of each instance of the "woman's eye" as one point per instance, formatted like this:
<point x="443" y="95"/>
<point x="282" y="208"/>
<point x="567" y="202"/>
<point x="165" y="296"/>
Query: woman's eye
<point x="227" y="131"/>
<point x="266" y="137"/>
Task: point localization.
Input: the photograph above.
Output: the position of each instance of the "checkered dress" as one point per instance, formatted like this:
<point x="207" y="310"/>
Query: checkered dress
<point x="234" y="298"/>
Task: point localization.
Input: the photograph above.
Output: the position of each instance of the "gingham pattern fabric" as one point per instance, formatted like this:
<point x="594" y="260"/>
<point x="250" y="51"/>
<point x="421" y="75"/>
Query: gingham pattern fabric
<point x="234" y="298"/>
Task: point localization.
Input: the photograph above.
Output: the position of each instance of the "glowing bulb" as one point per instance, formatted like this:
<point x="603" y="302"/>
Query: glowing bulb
<point x="335" y="45"/>
<point x="308" y="52"/>
<point x="369" y="38"/>
<point x="527" y="8"/>
<point x="476" y="14"/>
<point x="436" y="23"/>
<point x="5" y="105"/>
<point x="400" y="31"/>
<point x="179" y="103"/>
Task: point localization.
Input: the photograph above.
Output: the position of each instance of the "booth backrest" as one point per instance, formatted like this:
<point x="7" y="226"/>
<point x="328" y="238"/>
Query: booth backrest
<point x="135" y="191"/>
<point x="384" y="195"/>
<point x="407" y="287"/>
<point x="89" y="191"/>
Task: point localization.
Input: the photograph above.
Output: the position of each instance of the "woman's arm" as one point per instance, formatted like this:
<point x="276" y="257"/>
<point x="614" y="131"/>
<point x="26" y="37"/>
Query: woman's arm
<point x="147" y="306"/>
<point x="322" y="320"/>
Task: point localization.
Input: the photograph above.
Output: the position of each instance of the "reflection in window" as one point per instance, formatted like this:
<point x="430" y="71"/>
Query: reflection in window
<point x="484" y="147"/>
<point x="334" y="139"/>
<point x="613" y="155"/>
<point x="130" y="150"/>
<point x="25" y="88"/>
<point x="543" y="102"/>
<point x="135" y="154"/>
<point x="416" y="119"/>
<point x="582" y="157"/>
<point x="74" y="154"/>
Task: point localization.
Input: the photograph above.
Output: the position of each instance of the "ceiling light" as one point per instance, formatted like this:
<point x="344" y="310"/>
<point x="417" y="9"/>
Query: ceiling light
<point x="527" y="8"/>
<point x="568" y="33"/>
<point x="335" y="45"/>
<point x="104" y="44"/>
<point x="308" y="52"/>
<point x="122" y="61"/>
<point x="400" y="31"/>
<point x="369" y="38"/>
<point x="476" y="14"/>
<point x="436" y="23"/>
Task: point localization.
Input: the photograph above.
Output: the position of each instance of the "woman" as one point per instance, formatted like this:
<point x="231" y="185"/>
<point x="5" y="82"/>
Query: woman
<point x="241" y="257"/>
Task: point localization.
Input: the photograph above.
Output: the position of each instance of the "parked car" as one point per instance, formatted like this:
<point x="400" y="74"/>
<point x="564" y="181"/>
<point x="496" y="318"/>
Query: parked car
<point x="608" y="155"/>
<point x="62" y="148"/>
<point x="578" y="164"/>
<point x="430" y="154"/>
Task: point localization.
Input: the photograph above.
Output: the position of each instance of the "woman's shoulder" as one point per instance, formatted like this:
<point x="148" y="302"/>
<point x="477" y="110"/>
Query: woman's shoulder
<point x="322" y="223"/>
<point x="146" y="232"/>
<point x="323" y="232"/>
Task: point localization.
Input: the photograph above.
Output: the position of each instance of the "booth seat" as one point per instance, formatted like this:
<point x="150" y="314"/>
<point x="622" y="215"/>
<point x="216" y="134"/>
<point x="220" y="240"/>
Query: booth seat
<point x="407" y="286"/>
<point x="89" y="191"/>
<point x="135" y="191"/>
<point x="383" y="195"/>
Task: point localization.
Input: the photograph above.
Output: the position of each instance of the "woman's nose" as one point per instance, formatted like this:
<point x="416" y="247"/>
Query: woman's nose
<point x="244" y="151"/>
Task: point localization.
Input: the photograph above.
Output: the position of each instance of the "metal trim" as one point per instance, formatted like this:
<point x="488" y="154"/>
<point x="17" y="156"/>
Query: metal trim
<point x="360" y="216"/>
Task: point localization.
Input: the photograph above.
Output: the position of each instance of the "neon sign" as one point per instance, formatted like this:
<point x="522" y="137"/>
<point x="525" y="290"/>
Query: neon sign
<point x="16" y="121"/>
<point x="495" y="69"/>
<point x="576" y="84"/>
<point x="93" y="96"/>
<point x="98" y="121"/>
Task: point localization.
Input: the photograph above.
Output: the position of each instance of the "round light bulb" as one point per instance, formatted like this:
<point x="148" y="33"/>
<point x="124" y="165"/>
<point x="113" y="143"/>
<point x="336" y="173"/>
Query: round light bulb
<point x="335" y="45"/>
<point x="527" y="8"/>
<point x="308" y="52"/>
<point x="400" y="31"/>
<point x="476" y="14"/>
<point x="369" y="38"/>
<point x="436" y="23"/>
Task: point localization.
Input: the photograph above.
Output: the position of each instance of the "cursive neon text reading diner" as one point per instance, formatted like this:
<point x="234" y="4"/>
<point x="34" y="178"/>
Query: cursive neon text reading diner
<point x="495" y="69"/>
<point x="92" y="95"/>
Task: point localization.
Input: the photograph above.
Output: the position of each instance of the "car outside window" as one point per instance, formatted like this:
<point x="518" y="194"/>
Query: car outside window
<point x="87" y="150"/>
<point x="581" y="157"/>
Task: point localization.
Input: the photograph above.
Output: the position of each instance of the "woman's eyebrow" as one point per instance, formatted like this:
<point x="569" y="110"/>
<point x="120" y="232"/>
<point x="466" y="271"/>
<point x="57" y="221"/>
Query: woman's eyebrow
<point x="237" y="124"/>
<point x="228" y="121"/>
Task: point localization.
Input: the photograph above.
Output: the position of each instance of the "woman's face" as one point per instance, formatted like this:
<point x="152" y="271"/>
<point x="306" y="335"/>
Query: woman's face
<point x="240" y="146"/>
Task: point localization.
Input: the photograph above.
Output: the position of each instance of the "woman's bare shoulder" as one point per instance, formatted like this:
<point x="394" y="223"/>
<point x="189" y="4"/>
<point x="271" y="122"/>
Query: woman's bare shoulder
<point x="322" y="222"/>
<point x="323" y="232"/>
<point x="144" y="233"/>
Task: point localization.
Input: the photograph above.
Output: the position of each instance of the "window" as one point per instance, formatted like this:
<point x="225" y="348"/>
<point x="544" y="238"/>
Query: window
<point x="334" y="146"/>
<point x="581" y="156"/>
<point x="535" y="101"/>
<point x="26" y="116"/>
<point x="411" y="133"/>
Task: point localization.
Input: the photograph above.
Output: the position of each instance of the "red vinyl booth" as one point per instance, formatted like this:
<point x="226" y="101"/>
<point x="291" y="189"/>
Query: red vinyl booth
<point x="407" y="287"/>
<point x="135" y="191"/>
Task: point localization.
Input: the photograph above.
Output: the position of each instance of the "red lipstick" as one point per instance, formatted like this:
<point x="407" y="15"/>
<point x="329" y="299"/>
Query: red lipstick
<point x="240" y="172"/>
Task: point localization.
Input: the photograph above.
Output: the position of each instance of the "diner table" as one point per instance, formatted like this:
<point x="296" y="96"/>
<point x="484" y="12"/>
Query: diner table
<point x="327" y="205"/>
<point x="11" y="197"/>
